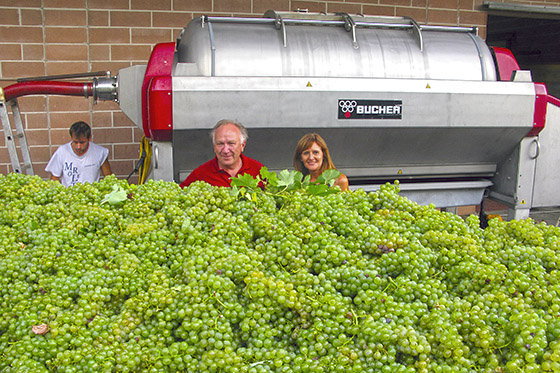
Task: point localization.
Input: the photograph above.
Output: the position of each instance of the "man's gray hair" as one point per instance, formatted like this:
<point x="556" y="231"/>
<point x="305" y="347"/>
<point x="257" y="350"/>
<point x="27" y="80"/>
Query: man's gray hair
<point x="242" y="129"/>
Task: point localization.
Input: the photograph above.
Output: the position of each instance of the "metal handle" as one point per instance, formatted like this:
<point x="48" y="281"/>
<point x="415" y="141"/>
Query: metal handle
<point x="350" y="26"/>
<point x="538" y="149"/>
<point x="156" y="156"/>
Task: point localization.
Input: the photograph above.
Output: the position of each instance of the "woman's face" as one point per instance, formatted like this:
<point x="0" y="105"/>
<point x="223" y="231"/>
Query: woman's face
<point x="312" y="157"/>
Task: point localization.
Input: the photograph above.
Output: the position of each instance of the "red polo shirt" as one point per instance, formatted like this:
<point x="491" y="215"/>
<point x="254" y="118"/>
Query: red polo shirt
<point x="213" y="175"/>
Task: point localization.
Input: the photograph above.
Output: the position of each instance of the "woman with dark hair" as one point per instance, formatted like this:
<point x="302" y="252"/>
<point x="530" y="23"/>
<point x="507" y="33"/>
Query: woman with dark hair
<point x="312" y="158"/>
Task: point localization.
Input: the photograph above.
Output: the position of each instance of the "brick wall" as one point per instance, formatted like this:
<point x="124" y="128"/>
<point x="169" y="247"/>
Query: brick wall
<point x="49" y="37"/>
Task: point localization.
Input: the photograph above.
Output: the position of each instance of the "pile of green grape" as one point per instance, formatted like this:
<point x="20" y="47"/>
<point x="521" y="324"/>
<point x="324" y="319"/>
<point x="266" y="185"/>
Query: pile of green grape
<point x="207" y="279"/>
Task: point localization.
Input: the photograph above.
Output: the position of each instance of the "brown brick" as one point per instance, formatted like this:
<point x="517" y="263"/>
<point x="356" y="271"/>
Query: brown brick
<point x="26" y="34"/>
<point x="76" y="4"/>
<point x="65" y="35"/>
<point x="61" y="122"/>
<point x="98" y="18"/>
<point x="57" y="68"/>
<point x="112" y="135"/>
<point x="68" y="103"/>
<point x="232" y="6"/>
<point x="445" y="17"/>
<point x="101" y="118"/>
<point x="4" y="159"/>
<point x="121" y="168"/>
<point x="33" y="52"/>
<point x="466" y="4"/>
<point x="482" y="32"/>
<point x="9" y="17"/>
<point x="22" y="3"/>
<point x="59" y="136"/>
<point x="39" y="168"/>
<point x="395" y="2"/>
<point x="176" y="33"/>
<point x="22" y="69"/>
<point x="132" y="19"/>
<point x="61" y="52"/>
<point x="4" y="153"/>
<point x="99" y="52"/>
<point x="36" y="120"/>
<point x="138" y="134"/>
<point x="130" y="52"/>
<point x="379" y="10"/>
<point x="37" y="137"/>
<point x="192" y="5"/>
<point x="32" y="104"/>
<point x="10" y="52"/>
<point x="121" y="120"/>
<point x="151" y="36"/>
<point x="444" y="4"/>
<point x="472" y="18"/>
<point x="172" y="19"/>
<point x="150" y="5"/>
<point x="419" y="3"/>
<point x="261" y="6"/>
<point x="39" y="154"/>
<point x="108" y="4"/>
<point x="65" y="17"/>
<point x="31" y="17"/>
<point x="344" y="7"/>
<point x="478" y="5"/>
<point x="126" y="151"/>
<point x="133" y="179"/>
<point x="309" y="5"/>
<point x="417" y="14"/>
<point x="109" y="35"/>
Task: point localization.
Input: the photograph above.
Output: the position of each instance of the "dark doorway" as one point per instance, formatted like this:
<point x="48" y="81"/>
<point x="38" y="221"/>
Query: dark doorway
<point x="534" y="42"/>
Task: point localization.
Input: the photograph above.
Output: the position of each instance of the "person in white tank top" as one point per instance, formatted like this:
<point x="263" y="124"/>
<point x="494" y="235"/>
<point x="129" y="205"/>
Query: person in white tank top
<point x="80" y="160"/>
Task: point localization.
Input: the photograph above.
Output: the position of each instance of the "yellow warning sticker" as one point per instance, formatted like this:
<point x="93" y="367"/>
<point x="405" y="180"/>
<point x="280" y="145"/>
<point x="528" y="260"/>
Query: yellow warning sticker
<point x="399" y="172"/>
<point x="428" y="86"/>
<point x="309" y="84"/>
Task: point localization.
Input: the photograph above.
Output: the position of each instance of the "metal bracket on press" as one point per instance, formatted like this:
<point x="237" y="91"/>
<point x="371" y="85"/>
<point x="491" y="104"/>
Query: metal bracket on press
<point x="417" y="30"/>
<point x="350" y="25"/>
<point x="280" y="25"/>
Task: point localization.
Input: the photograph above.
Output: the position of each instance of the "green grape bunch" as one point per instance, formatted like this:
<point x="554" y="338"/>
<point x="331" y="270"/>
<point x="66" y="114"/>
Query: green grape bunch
<point x="275" y="274"/>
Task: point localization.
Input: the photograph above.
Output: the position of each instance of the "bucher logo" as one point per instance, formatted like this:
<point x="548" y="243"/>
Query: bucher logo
<point x="369" y="109"/>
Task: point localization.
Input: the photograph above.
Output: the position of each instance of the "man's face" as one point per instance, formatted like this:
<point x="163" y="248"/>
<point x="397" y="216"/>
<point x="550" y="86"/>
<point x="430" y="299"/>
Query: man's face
<point x="80" y="144"/>
<point x="228" y="145"/>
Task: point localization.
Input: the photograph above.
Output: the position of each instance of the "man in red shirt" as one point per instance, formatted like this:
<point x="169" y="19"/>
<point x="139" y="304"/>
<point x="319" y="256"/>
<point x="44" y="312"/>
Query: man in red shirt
<point x="229" y="139"/>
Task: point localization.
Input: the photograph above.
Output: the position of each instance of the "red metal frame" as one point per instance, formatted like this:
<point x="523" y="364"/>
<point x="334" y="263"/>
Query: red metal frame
<point x="160" y="108"/>
<point x="157" y="117"/>
<point x="506" y="63"/>
<point x="539" y="118"/>
<point x="553" y="100"/>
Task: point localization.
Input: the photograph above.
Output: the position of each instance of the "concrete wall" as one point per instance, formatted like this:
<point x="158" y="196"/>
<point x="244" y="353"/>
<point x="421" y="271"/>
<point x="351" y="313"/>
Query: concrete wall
<point x="48" y="37"/>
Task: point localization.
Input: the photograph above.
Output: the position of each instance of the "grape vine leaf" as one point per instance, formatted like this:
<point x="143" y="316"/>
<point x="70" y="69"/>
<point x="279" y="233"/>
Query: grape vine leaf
<point x="115" y="197"/>
<point x="317" y="189"/>
<point x="328" y="177"/>
<point x="245" y="180"/>
<point x="269" y="177"/>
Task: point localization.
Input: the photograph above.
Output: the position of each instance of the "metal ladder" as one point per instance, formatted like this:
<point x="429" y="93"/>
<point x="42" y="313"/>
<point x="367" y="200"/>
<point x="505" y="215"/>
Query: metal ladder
<point x="11" y="137"/>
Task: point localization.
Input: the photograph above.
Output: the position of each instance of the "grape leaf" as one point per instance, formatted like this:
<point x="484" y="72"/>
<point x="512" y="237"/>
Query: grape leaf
<point x="269" y="177"/>
<point x="317" y="189"/>
<point x="328" y="177"/>
<point x="285" y="179"/>
<point x="245" y="180"/>
<point x="115" y="197"/>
